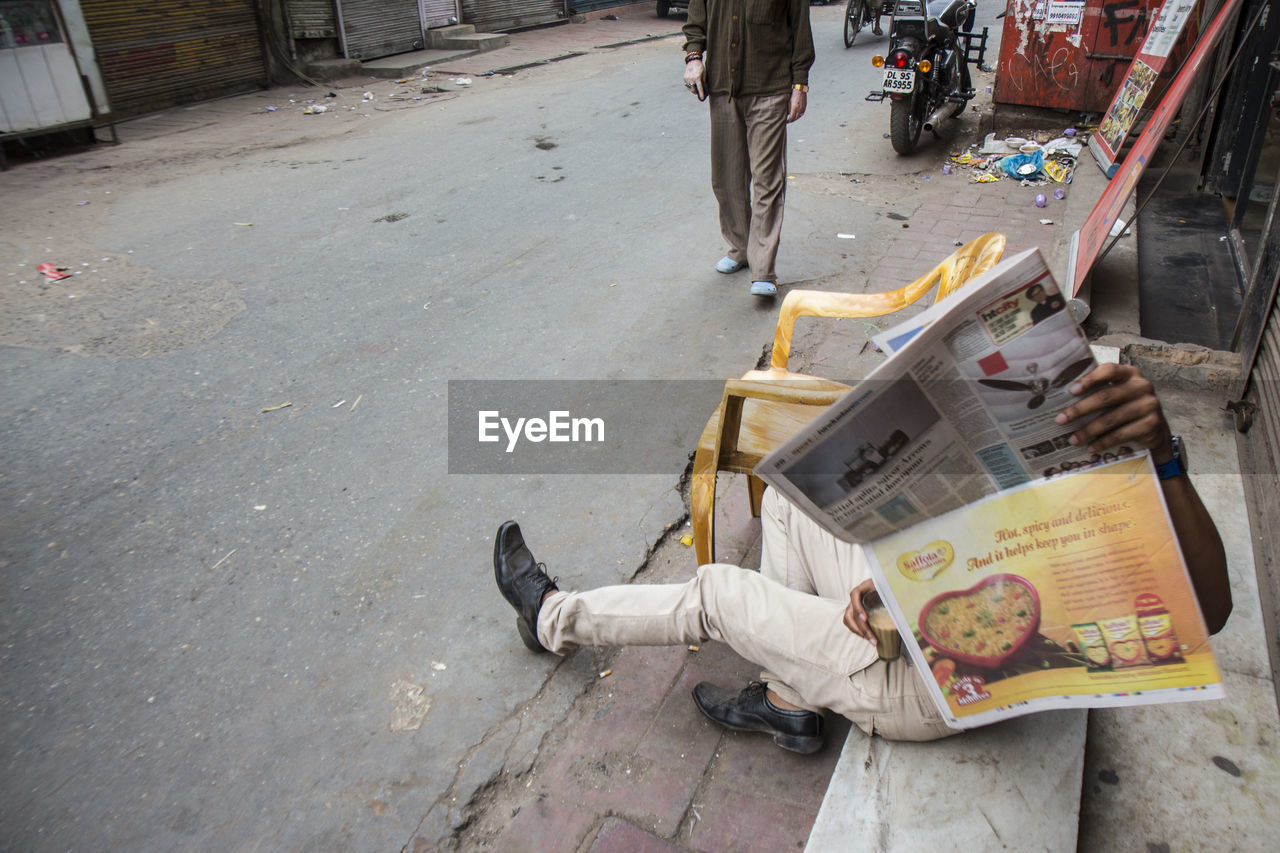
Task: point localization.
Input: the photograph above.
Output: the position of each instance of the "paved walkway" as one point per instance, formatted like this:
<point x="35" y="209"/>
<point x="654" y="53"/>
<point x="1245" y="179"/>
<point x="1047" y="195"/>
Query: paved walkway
<point x="605" y="30"/>
<point x="636" y="767"/>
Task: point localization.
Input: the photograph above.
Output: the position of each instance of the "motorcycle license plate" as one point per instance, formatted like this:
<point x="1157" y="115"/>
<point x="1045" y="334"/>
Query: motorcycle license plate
<point x="899" y="79"/>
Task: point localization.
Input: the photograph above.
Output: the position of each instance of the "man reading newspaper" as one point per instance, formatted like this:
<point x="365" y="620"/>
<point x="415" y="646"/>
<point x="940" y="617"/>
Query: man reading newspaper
<point x="803" y="617"/>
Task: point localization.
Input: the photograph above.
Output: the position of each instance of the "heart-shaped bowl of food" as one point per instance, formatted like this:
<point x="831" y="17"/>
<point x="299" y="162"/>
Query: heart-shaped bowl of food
<point x="986" y="625"/>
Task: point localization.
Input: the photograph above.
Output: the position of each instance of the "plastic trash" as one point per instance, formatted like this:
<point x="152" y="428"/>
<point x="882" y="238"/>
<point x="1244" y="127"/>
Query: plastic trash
<point x="1057" y="171"/>
<point x="52" y="272"/>
<point x="946" y="168"/>
<point x="991" y="145"/>
<point x="1063" y="145"/>
<point x="1069" y="132"/>
<point x="1041" y="201"/>
<point x="1023" y="165"/>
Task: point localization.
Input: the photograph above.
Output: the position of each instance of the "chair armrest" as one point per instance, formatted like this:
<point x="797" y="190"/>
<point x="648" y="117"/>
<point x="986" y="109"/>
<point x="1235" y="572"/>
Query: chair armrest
<point x="808" y="392"/>
<point x="821" y="303"/>
<point x="976" y="256"/>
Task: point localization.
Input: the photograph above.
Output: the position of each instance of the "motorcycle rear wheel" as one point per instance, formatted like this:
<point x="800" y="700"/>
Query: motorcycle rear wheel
<point x="854" y="16"/>
<point x="905" y="123"/>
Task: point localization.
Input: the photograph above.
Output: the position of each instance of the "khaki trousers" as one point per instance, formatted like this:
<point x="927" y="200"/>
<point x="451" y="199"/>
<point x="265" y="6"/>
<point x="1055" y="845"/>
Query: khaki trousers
<point x="749" y="153"/>
<point x="789" y="622"/>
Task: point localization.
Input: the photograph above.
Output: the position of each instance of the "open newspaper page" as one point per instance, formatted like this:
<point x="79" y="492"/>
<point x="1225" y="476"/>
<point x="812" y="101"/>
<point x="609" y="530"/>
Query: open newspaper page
<point x="965" y="407"/>
<point x="1066" y="592"/>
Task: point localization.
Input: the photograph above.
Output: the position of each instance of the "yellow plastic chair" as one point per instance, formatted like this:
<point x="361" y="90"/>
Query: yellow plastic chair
<point x="766" y="407"/>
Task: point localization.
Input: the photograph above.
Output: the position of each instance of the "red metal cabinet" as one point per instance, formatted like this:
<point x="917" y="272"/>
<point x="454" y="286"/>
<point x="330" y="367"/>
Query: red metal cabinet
<point x="1071" y="55"/>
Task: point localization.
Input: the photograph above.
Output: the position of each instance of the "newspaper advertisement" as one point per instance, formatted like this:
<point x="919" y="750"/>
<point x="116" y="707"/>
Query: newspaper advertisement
<point x="1067" y="592"/>
<point x="965" y="406"/>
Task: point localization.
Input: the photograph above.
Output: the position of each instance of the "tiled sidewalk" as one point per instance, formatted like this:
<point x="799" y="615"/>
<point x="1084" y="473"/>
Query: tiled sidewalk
<point x="637" y="768"/>
<point x="960" y="211"/>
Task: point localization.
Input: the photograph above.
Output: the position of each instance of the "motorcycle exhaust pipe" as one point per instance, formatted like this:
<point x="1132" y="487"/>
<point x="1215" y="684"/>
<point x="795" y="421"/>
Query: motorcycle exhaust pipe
<point x="934" y="119"/>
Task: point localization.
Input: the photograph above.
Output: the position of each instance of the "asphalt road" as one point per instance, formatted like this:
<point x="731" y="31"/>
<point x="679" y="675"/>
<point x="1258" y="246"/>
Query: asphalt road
<point x="230" y="626"/>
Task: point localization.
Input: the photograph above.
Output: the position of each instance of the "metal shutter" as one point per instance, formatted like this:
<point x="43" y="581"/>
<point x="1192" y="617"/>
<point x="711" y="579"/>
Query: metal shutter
<point x="489" y="16"/>
<point x="312" y="19"/>
<point x="159" y="54"/>
<point x="1266" y="381"/>
<point x="374" y="28"/>
<point x="439" y="13"/>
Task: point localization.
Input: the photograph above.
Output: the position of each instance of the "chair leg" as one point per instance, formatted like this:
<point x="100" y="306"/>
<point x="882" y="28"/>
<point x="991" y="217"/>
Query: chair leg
<point x="702" y="509"/>
<point x="755" y="492"/>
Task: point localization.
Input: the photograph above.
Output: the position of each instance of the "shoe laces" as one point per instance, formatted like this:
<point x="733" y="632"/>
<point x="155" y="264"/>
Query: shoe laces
<point x="539" y="580"/>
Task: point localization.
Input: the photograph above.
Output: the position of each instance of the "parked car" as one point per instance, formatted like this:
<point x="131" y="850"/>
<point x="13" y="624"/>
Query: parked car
<point x="665" y="6"/>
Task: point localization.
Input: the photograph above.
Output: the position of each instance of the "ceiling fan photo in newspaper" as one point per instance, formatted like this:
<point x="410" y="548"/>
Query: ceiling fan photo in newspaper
<point x="1039" y="386"/>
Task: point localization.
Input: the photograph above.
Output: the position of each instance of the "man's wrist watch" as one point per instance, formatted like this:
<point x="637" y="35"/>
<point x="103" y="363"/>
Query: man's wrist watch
<point x="800" y="87"/>
<point x="1177" y="465"/>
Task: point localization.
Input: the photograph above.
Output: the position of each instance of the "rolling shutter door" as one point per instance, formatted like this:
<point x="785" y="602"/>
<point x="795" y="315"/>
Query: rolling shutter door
<point x="1266" y="381"/>
<point x="374" y="28"/>
<point x="312" y="19"/>
<point x="439" y="13"/>
<point x="160" y="54"/>
<point x="490" y="16"/>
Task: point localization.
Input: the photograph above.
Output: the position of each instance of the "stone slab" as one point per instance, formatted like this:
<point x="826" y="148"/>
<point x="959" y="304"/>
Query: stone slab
<point x="1015" y="785"/>
<point x="1199" y="775"/>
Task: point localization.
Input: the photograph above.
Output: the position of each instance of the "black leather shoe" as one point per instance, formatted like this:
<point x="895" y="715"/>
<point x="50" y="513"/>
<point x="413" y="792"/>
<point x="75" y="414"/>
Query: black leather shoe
<point x="522" y="581"/>
<point x="751" y="711"/>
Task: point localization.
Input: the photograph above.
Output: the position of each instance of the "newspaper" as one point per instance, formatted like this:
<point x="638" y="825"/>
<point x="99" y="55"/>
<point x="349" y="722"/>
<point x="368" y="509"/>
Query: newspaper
<point x="965" y="407"/>
<point x="1023" y="573"/>
<point x="1069" y="592"/>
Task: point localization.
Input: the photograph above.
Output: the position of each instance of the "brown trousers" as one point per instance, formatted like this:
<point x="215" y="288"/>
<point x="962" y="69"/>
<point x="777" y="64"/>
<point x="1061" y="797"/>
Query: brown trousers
<point x="749" y="155"/>
<point x="787" y="619"/>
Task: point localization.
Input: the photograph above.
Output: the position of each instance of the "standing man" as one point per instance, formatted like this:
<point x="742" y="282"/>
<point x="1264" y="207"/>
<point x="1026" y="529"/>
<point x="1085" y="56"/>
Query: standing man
<point x="752" y="57"/>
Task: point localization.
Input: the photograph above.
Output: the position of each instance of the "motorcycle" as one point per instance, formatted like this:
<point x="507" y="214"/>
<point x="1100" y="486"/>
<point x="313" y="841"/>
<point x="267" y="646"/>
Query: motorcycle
<point x="926" y="69"/>
<point x="858" y="14"/>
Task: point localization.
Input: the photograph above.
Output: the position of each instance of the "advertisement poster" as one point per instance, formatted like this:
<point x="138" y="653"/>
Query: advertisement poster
<point x="1145" y="68"/>
<point x="1068" y="592"/>
<point x="1124" y="109"/>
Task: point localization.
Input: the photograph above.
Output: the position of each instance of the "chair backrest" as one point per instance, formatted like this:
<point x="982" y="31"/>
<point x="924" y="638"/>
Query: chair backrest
<point x="973" y="258"/>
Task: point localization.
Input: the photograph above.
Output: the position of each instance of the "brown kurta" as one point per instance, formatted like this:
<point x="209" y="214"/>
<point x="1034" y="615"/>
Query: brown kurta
<point x="752" y="47"/>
